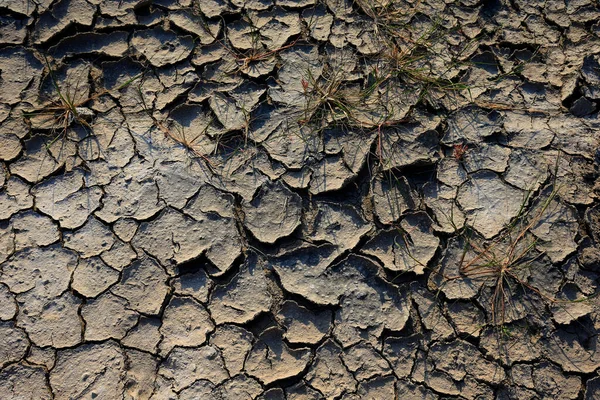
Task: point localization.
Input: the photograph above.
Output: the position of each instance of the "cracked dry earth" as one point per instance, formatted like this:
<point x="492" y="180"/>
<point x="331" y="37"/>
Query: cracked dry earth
<point x="299" y="199"/>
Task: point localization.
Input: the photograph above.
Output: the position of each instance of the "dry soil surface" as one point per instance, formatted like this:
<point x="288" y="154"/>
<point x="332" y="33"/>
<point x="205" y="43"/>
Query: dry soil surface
<point x="299" y="199"/>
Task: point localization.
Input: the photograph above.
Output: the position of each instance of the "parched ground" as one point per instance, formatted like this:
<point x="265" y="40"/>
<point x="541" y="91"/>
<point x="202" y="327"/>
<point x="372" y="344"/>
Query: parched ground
<point x="299" y="199"/>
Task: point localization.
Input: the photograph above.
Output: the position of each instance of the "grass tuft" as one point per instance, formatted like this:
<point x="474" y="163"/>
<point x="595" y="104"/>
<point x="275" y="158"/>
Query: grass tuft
<point x="68" y="106"/>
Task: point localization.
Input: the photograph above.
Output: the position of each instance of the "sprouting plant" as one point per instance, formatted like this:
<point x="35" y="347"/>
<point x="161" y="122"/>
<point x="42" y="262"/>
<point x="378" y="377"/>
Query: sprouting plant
<point x="506" y="331"/>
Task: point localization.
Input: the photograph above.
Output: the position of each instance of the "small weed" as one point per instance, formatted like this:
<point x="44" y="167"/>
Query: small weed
<point x="503" y="266"/>
<point x="326" y="99"/>
<point x="506" y="331"/>
<point x="507" y="257"/>
<point x="245" y="60"/>
<point x="388" y="18"/>
<point x="412" y="56"/>
<point x="68" y="106"/>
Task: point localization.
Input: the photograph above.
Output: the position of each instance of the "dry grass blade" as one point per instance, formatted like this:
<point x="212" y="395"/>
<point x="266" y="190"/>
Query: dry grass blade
<point x="176" y="133"/>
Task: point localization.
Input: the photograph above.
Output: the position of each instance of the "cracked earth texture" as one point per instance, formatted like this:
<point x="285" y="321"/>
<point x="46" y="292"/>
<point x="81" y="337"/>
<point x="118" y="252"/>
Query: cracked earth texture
<point x="299" y="199"/>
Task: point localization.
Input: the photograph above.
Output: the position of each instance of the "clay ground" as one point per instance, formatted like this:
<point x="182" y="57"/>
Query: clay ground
<point x="299" y="199"/>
